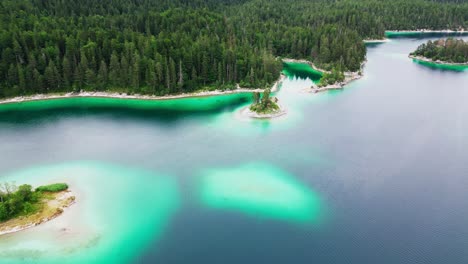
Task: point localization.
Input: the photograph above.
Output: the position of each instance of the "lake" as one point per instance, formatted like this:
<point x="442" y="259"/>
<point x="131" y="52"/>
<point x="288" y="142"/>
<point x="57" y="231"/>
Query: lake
<point x="374" y="173"/>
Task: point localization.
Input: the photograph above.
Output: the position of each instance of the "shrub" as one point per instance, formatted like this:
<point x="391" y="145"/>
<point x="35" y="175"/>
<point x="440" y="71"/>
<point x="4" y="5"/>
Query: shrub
<point x="57" y="187"/>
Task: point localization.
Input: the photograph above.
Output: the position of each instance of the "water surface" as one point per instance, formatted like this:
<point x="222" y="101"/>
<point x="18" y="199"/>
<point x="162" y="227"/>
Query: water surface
<point x="382" y="163"/>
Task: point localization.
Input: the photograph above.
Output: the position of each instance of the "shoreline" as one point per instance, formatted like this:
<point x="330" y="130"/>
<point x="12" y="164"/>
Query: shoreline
<point x="349" y="76"/>
<point x="403" y="33"/>
<point x="53" y="208"/>
<point x="371" y="41"/>
<point x="438" y="62"/>
<point x="311" y="64"/>
<point x="39" y="97"/>
<point x="428" y="31"/>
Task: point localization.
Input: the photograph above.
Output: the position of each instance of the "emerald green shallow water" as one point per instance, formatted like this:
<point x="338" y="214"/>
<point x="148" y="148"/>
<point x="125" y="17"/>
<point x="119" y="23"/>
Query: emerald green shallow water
<point x="374" y="173"/>
<point x="301" y="70"/>
<point x="412" y="34"/>
<point x="191" y="104"/>
<point x="112" y="210"/>
<point x="260" y="190"/>
<point x="442" y="66"/>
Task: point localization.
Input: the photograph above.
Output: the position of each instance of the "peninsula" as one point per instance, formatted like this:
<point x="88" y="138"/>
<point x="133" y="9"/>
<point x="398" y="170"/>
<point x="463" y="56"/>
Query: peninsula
<point x="22" y="207"/>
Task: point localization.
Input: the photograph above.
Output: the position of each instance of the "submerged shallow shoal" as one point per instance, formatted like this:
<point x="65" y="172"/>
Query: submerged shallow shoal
<point x="260" y="190"/>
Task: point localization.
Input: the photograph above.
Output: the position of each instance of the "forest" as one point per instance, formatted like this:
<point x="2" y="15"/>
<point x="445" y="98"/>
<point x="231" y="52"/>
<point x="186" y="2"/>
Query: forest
<point x="450" y="50"/>
<point x="172" y="46"/>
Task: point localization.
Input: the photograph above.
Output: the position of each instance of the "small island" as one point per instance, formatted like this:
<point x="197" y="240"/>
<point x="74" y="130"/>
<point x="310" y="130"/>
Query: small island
<point x="264" y="106"/>
<point x="451" y="52"/>
<point x="22" y="207"/>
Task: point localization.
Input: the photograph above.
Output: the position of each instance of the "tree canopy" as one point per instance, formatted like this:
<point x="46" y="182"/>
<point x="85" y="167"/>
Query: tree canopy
<point x="450" y="50"/>
<point x="173" y="46"/>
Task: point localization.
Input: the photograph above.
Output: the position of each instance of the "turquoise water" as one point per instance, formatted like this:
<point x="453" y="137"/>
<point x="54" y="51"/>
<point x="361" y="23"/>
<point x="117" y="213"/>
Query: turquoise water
<point x="113" y="211"/>
<point x="374" y="173"/>
<point x="459" y="68"/>
<point x="301" y="71"/>
<point x="191" y="104"/>
<point x="260" y="190"/>
<point x="406" y="34"/>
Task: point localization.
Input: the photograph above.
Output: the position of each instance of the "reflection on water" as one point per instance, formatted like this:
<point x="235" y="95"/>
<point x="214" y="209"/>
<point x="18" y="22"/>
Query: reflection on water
<point x="301" y="71"/>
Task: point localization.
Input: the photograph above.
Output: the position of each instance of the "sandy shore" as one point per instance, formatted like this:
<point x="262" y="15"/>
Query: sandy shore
<point x="370" y="41"/>
<point x="52" y="209"/>
<point x="420" y="58"/>
<point x="239" y="89"/>
<point x="246" y="112"/>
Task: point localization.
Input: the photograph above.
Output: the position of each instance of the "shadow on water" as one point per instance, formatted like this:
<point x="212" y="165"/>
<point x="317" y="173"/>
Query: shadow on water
<point x="373" y="44"/>
<point x="122" y="109"/>
<point x="441" y="67"/>
<point x="301" y="71"/>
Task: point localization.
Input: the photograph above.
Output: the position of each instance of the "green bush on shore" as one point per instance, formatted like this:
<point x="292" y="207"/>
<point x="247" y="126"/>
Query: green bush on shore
<point x="22" y="200"/>
<point x="56" y="187"/>
<point x="335" y="76"/>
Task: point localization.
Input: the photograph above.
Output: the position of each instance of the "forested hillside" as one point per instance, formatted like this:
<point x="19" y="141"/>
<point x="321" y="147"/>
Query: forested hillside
<point x="172" y="46"/>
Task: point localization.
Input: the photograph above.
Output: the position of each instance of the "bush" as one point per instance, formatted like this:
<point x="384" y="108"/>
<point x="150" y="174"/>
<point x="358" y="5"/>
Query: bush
<point x="3" y="212"/>
<point x="57" y="187"/>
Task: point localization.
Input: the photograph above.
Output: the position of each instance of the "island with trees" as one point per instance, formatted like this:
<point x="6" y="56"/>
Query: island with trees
<point x="167" y="47"/>
<point x="264" y="106"/>
<point x="451" y="51"/>
<point x="21" y="207"/>
<point x="443" y="52"/>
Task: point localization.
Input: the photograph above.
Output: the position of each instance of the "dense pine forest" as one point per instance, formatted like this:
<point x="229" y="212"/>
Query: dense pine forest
<point x="173" y="46"/>
<point x="450" y="50"/>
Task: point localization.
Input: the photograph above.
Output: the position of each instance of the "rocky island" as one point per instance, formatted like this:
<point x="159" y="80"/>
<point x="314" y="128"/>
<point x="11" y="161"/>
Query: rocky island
<point x="450" y="52"/>
<point x="22" y="207"/>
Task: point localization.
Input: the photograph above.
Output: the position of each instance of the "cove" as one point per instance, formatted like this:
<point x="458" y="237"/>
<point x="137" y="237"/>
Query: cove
<point x="301" y="70"/>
